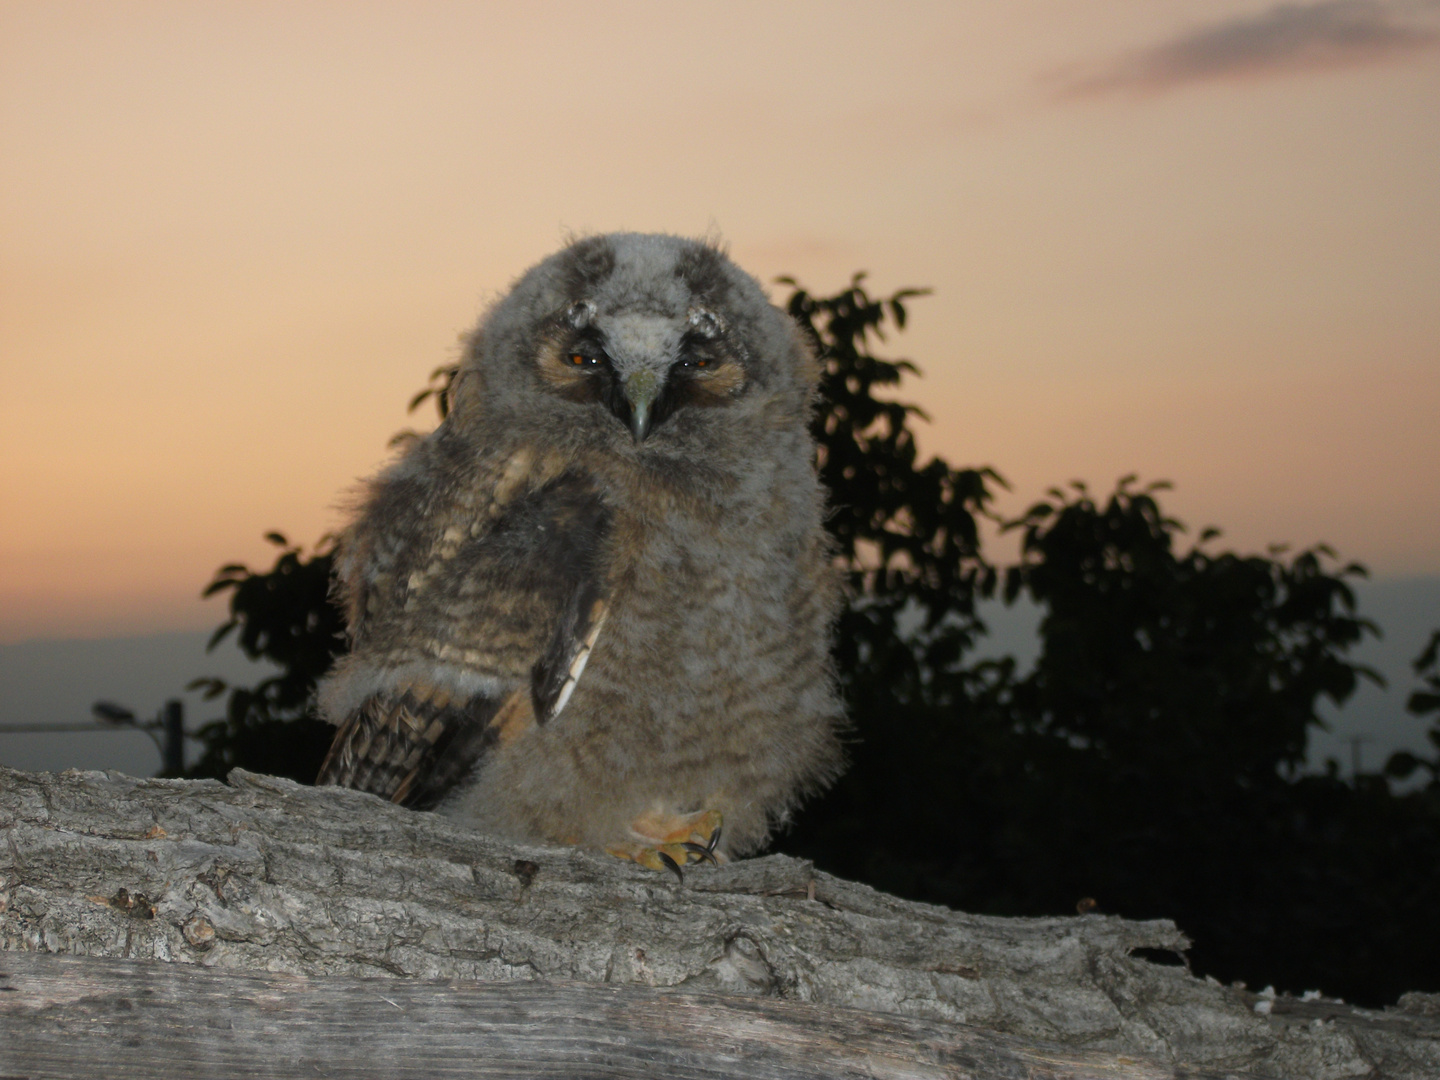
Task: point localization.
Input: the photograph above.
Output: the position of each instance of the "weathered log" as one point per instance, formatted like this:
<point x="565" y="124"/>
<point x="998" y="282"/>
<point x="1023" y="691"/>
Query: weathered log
<point x="238" y="1024"/>
<point x="610" y="970"/>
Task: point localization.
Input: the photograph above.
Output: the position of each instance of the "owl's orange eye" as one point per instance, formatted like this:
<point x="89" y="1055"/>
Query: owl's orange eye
<point x="577" y="359"/>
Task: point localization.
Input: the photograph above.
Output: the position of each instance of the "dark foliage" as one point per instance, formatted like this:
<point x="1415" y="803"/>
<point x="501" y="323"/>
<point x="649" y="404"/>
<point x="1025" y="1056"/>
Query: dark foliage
<point x="284" y="616"/>
<point x="1423" y="702"/>
<point x="1176" y="692"/>
<point x="906" y="532"/>
<point x="1148" y="764"/>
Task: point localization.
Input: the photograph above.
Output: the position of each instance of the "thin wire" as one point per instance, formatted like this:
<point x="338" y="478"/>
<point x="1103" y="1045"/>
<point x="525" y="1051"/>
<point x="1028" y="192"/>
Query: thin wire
<point x="30" y="729"/>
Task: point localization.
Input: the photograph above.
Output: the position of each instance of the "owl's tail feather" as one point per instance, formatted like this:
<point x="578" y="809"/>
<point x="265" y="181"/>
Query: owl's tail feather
<point x="415" y="746"/>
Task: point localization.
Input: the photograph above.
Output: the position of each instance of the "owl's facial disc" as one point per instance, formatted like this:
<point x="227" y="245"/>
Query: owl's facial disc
<point x="642" y="368"/>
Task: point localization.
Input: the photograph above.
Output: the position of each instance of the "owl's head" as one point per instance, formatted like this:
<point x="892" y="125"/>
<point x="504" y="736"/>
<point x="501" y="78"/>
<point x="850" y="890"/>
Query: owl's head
<point x="645" y="344"/>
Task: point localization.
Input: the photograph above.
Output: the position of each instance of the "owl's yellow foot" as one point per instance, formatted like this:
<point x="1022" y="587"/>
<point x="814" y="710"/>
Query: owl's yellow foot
<point x="671" y="841"/>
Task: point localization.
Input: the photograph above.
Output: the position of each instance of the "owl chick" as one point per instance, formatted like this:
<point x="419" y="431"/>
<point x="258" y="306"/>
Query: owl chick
<point x="594" y="605"/>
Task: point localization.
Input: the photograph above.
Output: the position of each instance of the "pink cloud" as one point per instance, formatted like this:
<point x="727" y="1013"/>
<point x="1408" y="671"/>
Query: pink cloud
<point x="1283" y="40"/>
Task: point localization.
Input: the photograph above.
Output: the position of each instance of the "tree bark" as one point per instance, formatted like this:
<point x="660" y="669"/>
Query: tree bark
<point x="321" y="931"/>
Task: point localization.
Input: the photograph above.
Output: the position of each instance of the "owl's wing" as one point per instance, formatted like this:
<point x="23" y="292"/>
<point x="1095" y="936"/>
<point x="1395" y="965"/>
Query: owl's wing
<point x="463" y="646"/>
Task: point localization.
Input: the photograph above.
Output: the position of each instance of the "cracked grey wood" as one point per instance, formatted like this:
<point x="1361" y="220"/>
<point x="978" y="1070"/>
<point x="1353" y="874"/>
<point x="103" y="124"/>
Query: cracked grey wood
<point x="265" y="876"/>
<point x="145" y="1019"/>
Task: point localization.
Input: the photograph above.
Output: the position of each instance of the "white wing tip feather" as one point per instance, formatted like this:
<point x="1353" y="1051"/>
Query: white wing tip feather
<point x="577" y="665"/>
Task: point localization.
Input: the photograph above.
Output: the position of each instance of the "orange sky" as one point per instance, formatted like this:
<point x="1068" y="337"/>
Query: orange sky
<point x="1194" y="239"/>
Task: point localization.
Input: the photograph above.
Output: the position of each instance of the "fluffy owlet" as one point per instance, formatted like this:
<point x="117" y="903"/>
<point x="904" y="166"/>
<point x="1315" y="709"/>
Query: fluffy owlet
<point x="594" y="605"/>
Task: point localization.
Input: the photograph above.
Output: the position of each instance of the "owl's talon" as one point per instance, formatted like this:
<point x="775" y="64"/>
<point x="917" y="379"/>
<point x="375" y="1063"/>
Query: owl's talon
<point x="672" y="866"/>
<point x="662" y="841"/>
<point x="700" y="853"/>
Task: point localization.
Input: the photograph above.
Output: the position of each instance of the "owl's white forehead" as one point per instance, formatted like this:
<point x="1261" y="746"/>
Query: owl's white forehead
<point x="647" y="256"/>
<point x="635" y="336"/>
<point x="644" y="275"/>
<point x="642" y="303"/>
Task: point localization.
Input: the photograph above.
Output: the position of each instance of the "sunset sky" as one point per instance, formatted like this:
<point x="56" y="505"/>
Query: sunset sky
<point x="1194" y="239"/>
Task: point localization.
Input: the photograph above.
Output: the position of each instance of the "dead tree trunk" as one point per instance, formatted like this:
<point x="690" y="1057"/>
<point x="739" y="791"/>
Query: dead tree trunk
<point x="324" y="932"/>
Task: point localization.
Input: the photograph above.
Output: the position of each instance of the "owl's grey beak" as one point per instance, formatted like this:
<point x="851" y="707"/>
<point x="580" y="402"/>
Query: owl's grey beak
<point x="641" y="390"/>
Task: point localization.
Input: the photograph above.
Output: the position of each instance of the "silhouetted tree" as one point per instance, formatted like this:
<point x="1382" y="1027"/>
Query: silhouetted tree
<point x="1174" y="692"/>
<point x="905" y="531"/>
<point x="283" y="616"/>
<point x="1148" y="763"/>
<point x="1422" y="703"/>
<point x="1199" y="665"/>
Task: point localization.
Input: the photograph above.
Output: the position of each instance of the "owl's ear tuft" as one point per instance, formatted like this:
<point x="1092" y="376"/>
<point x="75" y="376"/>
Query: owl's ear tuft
<point x="705" y="324"/>
<point x="580" y="313"/>
<point x="704" y="271"/>
<point x="808" y="368"/>
<point x="467" y="391"/>
<point x="588" y="262"/>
